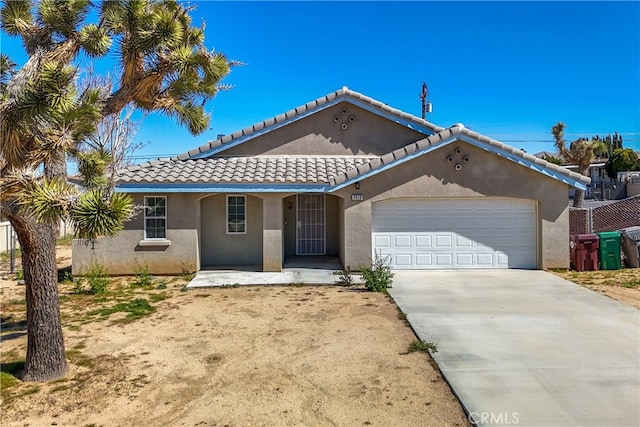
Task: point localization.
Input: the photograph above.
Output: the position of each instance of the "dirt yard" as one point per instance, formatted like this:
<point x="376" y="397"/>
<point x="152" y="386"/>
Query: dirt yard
<point x="261" y="356"/>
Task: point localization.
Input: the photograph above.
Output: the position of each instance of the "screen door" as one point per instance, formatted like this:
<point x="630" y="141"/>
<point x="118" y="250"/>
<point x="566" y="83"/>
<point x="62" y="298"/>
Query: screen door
<point x="310" y="224"/>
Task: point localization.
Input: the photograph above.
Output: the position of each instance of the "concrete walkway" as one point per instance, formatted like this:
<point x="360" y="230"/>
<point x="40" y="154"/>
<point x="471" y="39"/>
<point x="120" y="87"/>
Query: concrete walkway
<point x="210" y="278"/>
<point x="527" y="348"/>
<point x="288" y="276"/>
<point x="312" y="270"/>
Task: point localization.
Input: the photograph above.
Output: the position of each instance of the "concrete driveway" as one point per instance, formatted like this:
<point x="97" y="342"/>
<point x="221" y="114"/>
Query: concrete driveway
<point x="527" y="348"/>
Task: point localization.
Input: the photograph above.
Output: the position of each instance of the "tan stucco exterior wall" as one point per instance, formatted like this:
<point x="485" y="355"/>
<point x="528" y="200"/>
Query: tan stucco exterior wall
<point x="123" y="253"/>
<point x="332" y="225"/>
<point x="367" y="134"/>
<point x="196" y="229"/>
<point x="272" y="239"/>
<point x="218" y="247"/>
<point x="485" y="174"/>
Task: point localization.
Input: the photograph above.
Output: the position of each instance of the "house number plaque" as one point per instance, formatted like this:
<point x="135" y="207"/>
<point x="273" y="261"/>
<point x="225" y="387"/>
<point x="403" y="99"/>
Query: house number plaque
<point x="357" y="197"/>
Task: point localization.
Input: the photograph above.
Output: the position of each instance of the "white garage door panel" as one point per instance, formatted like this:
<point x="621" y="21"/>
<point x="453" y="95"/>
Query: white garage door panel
<point x="466" y="233"/>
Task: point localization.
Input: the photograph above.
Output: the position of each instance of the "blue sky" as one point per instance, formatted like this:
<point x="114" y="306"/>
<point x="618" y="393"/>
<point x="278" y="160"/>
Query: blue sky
<point x="509" y="70"/>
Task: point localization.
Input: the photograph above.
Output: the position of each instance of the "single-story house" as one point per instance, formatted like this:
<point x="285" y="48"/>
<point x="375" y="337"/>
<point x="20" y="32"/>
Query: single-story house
<point x="344" y="176"/>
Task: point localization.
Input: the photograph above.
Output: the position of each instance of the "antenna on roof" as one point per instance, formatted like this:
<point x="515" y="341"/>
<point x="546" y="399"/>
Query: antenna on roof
<point x="426" y="105"/>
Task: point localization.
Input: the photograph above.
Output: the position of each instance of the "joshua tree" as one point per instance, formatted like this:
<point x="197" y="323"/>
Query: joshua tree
<point x="580" y="153"/>
<point x="45" y="118"/>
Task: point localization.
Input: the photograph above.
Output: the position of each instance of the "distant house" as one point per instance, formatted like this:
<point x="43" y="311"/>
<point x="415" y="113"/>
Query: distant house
<point x="596" y="171"/>
<point x="349" y="177"/>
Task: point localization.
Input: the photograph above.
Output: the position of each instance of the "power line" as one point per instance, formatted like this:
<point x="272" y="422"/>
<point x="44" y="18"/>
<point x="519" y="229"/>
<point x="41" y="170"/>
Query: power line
<point x="510" y="141"/>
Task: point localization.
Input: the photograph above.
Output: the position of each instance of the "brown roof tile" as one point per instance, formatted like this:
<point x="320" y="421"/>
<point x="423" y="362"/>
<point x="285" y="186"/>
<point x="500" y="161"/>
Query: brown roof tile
<point x="265" y="169"/>
<point x="332" y="170"/>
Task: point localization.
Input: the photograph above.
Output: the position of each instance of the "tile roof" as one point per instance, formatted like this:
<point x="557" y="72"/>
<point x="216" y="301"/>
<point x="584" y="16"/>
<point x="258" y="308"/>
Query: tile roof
<point x="344" y="93"/>
<point x="195" y="167"/>
<point x="259" y="169"/>
<point x="332" y="170"/>
<point x="443" y="137"/>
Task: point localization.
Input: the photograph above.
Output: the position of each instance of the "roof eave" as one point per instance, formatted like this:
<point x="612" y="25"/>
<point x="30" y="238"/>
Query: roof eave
<point x="456" y="133"/>
<point x="343" y="95"/>
<point x="184" y="187"/>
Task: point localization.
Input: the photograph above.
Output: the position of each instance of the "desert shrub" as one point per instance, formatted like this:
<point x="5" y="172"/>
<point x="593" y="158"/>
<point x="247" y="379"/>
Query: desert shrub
<point x="143" y="278"/>
<point x="378" y="277"/>
<point x="65" y="277"/>
<point x="422" y="346"/>
<point x="345" y="278"/>
<point x="97" y="278"/>
<point x="187" y="272"/>
<point x="78" y="287"/>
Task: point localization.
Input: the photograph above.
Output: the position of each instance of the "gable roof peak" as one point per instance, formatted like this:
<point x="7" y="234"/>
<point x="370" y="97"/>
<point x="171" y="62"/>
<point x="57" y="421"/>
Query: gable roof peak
<point x="344" y="94"/>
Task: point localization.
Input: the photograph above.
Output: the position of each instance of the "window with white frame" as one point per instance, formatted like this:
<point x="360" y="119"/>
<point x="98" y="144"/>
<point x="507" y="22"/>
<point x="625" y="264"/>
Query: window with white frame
<point x="236" y="215"/>
<point x="155" y="217"/>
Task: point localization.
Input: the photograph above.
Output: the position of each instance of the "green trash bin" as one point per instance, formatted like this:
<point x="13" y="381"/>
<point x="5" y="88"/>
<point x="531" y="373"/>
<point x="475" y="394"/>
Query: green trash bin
<point x="609" y="250"/>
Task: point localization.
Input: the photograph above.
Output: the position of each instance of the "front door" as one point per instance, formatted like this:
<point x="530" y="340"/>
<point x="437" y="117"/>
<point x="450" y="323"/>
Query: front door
<point x="310" y="224"/>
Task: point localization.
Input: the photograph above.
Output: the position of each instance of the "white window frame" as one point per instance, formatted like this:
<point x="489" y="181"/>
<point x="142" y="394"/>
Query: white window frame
<point x="146" y="206"/>
<point x="226" y="222"/>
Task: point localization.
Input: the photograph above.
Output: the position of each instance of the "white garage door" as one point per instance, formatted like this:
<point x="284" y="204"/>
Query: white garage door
<point x="455" y="233"/>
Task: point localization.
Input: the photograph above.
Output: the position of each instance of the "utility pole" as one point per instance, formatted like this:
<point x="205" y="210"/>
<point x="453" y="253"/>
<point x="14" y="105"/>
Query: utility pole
<point x="426" y="105"/>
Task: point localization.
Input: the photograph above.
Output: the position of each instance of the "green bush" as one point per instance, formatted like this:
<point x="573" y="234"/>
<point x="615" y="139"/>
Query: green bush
<point x="98" y="279"/>
<point x="143" y="278"/>
<point x="378" y="277"/>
